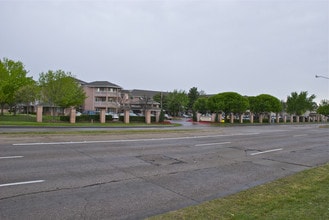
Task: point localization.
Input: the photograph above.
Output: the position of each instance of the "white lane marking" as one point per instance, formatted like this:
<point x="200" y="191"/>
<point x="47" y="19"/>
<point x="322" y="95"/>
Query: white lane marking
<point x="11" y="157"/>
<point x="131" y="140"/>
<point x="21" y="183"/>
<point x="268" y="151"/>
<point x="300" y="135"/>
<point x="209" y="144"/>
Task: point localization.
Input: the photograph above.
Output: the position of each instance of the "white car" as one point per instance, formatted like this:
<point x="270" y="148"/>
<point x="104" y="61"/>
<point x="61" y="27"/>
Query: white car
<point x="167" y="117"/>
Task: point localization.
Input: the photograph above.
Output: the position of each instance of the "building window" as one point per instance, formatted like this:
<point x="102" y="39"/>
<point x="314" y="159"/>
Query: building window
<point x="100" y="99"/>
<point x="101" y="89"/>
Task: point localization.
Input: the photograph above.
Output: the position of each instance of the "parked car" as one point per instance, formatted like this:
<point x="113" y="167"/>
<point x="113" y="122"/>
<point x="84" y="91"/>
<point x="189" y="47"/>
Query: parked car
<point x="168" y="117"/>
<point x="130" y="114"/>
<point x="115" y="116"/>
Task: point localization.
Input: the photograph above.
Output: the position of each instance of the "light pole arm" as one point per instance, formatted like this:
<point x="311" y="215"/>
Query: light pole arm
<point x="325" y="77"/>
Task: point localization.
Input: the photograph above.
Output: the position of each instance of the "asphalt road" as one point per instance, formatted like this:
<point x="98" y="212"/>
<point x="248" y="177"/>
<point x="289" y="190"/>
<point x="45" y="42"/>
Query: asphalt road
<point x="140" y="175"/>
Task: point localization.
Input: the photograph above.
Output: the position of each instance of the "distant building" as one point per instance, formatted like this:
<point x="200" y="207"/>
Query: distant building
<point x="102" y="95"/>
<point x="138" y="100"/>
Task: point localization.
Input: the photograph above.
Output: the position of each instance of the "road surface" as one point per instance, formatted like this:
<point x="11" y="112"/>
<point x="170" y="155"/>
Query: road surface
<point x="139" y="175"/>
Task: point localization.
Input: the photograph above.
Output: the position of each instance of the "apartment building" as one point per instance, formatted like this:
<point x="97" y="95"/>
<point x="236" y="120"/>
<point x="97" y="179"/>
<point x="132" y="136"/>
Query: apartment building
<point x="102" y="95"/>
<point x="140" y="100"/>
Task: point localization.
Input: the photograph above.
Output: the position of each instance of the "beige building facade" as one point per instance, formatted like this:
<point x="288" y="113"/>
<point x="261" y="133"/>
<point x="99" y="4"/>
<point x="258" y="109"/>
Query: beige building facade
<point x="102" y="95"/>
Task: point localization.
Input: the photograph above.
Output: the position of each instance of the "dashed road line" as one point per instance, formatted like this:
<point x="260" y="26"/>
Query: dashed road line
<point x="11" y="157"/>
<point x="21" y="183"/>
<point x="264" y="152"/>
<point x="209" y="144"/>
<point x="300" y="135"/>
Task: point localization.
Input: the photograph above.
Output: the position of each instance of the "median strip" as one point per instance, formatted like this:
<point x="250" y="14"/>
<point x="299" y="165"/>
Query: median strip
<point x="132" y="140"/>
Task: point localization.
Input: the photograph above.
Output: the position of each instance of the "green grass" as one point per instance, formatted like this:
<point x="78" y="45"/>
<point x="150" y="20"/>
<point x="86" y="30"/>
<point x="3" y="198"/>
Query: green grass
<point x="50" y="121"/>
<point x="304" y="195"/>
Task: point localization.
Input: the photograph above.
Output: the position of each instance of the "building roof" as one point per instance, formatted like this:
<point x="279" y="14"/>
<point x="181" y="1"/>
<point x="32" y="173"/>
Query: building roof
<point x="143" y="93"/>
<point x="103" y="84"/>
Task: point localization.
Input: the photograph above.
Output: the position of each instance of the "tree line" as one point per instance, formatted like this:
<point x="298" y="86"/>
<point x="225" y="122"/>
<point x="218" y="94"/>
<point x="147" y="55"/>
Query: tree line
<point x="59" y="88"/>
<point x="226" y="103"/>
<point x="55" y="88"/>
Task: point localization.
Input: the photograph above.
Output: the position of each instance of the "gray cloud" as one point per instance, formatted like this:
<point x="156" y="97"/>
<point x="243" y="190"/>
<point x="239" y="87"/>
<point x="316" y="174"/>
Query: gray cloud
<point x="250" y="47"/>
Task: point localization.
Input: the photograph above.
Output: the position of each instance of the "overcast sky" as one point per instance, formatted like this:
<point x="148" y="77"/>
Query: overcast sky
<point x="249" y="47"/>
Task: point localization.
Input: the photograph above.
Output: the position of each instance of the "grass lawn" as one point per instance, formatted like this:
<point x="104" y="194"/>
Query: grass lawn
<point x="50" y="121"/>
<point x="304" y="195"/>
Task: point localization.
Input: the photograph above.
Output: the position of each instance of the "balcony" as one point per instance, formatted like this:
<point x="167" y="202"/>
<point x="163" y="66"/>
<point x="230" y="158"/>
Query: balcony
<point x="107" y="94"/>
<point x="107" y="104"/>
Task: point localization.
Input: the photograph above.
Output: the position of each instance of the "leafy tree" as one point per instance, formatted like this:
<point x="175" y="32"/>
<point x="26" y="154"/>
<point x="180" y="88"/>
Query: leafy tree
<point x="323" y="108"/>
<point x="193" y="95"/>
<point x="265" y="103"/>
<point x="12" y="77"/>
<point x="216" y="103"/>
<point x="201" y="105"/>
<point x="234" y="103"/>
<point x="298" y="104"/>
<point x="61" y="89"/>
<point x="27" y="94"/>
<point x="177" y="102"/>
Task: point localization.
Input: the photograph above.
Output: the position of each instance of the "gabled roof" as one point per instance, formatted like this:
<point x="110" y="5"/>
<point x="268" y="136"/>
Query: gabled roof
<point x="79" y="81"/>
<point x="103" y="84"/>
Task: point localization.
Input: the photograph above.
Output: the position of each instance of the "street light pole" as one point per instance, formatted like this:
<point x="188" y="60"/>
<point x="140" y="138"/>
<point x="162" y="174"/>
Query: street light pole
<point x="325" y="77"/>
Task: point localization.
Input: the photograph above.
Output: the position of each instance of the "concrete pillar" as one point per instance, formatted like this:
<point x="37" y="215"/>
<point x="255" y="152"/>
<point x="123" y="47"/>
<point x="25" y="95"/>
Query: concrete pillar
<point x="213" y="117"/>
<point x="102" y="116"/>
<point x="241" y="118"/>
<point x="148" y="116"/>
<point x="251" y="117"/>
<point x="231" y="118"/>
<point x="198" y="115"/>
<point x="72" y="115"/>
<point x="39" y="113"/>
<point x="157" y="116"/>
<point x="126" y="115"/>
<point x="220" y="117"/>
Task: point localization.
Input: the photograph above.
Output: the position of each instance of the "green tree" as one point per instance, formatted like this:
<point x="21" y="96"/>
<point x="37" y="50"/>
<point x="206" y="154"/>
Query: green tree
<point x="12" y="77"/>
<point x="266" y="103"/>
<point x="177" y="102"/>
<point x="234" y="103"/>
<point x="27" y="94"/>
<point x="201" y="105"/>
<point x="216" y="103"/>
<point x="61" y="89"/>
<point x="298" y="104"/>
<point x="193" y="95"/>
<point x="323" y="108"/>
